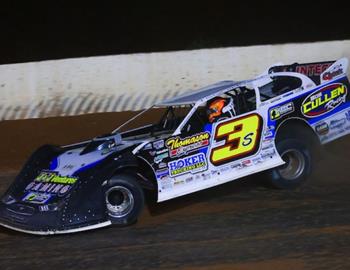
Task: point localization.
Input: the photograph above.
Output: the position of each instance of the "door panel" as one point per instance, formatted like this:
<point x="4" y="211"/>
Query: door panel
<point x="236" y="139"/>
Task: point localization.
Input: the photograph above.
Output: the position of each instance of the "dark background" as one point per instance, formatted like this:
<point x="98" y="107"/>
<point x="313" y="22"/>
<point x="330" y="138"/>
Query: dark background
<point x="55" y="29"/>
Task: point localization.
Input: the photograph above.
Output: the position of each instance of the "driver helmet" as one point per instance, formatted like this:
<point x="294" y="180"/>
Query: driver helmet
<point x="220" y="108"/>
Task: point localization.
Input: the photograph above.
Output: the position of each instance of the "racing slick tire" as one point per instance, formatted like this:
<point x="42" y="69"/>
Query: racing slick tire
<point x="124" y="199"/>
<point x="298" y="166"/>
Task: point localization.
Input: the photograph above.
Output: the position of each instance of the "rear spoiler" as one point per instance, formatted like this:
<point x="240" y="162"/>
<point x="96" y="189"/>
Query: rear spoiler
<point x="319" y="72"/>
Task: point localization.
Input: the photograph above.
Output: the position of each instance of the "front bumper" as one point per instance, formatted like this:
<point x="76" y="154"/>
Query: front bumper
<point x="28" y="219"/>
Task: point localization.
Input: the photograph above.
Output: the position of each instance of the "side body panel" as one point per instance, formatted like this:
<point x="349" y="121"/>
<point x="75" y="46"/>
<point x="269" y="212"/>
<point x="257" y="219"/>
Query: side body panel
<point x="325" y="108"/>
<point x="222" y="152"/>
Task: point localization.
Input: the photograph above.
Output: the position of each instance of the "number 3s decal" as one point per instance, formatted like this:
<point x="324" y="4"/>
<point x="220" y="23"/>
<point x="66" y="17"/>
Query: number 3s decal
<point x="242" y="138"/>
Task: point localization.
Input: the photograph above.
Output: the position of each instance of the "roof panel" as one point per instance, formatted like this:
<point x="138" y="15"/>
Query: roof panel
<point x="194" y="96"/>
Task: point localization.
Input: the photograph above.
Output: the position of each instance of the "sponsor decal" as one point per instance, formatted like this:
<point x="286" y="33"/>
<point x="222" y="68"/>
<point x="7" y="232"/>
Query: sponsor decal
<point x="180" y="182"/>
<point x="247" y="163"/>
<point x="53" y="177"/>
<point x="158" y="144"/>
<point x="336" y="71"/>
<point x="241" y="165"/>
<point x="269" y="131"/>
<point x="161" y="165"/>
<point x="36" y="197"/>
<point x="257" y="160"/>
<point x="161" y="174"/>
<point x="214" y="172"/>
<point x="282" y="110"/>
<point x="267" y="141"/>
<point x="191" y="164"/>
<point x="236" y="166"/>
<point x="224" y="169"/>
<point x="165" y="181"/>
<point x="268" y="146"/>
<point x="178" y="146"/>
<point x="268" y="153"/>
<point x="160" y="157"/>
<point x="337" y="123"/>
<point x="312" y="69"/>
<point x="338" y="130"/>
<point x="322" y="128"/>
<point x="324" y="100"/>
<point x="161" y="151"/>
<point x="51" y="182"/>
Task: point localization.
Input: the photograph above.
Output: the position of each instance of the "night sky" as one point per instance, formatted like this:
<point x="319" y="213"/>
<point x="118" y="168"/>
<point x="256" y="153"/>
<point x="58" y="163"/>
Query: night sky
<point x="52" y="30"/>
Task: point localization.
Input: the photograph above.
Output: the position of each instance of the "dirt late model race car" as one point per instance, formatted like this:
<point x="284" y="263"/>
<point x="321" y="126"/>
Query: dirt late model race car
<point x="198" y="140"/>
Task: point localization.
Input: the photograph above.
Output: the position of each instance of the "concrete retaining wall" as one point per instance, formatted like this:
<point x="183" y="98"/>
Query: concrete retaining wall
<point x="131" y="82"/>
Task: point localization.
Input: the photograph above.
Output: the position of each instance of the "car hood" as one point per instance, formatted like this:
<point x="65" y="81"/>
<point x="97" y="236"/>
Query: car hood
<point x="61" y="188"/>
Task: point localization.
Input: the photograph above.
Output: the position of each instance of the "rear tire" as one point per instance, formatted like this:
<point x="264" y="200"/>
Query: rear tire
<point x="124" y="199"/>
<point x="298" y="166"/>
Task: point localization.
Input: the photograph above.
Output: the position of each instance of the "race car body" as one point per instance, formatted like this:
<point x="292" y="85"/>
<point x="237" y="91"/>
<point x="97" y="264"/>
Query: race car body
<point x="201" y="139"/>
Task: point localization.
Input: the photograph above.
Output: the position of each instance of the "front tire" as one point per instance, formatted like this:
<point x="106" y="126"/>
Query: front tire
<point x="298" y="166"/>
<point x="124" y="199"/>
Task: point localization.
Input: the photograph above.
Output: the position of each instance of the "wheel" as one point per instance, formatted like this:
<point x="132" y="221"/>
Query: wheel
<point x="124" y="199"/>
<point x="298" y="164"/>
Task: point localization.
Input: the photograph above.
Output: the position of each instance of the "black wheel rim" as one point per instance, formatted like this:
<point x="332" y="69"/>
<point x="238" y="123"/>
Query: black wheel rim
<point x="294" y="166"/>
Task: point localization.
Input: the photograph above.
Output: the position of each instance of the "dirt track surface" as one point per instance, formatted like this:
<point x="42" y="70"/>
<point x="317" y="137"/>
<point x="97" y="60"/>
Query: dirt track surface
<point x="239" y="225"/>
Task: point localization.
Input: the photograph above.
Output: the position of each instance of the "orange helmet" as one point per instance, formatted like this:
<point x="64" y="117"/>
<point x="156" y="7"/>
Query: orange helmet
<point x="215" y="109"/>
